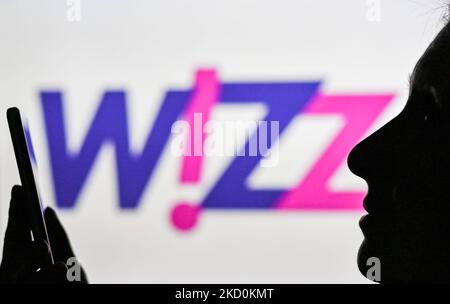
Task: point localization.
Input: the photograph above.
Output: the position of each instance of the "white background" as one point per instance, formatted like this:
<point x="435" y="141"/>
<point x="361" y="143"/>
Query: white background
<point x="147" y="47"/>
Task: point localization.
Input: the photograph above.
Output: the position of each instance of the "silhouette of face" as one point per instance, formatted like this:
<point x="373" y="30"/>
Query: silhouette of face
<point x="406" y="165"/>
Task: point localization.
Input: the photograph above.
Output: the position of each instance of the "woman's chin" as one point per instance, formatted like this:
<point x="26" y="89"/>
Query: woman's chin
<point x="375" y="255"/>
<point x="370" y="262"/>
<point x="363" y="256"/>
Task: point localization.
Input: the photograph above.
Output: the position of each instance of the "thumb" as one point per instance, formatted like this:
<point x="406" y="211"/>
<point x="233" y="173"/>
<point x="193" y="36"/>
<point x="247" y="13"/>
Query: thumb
<point x="17" y="233"/>
<point x="59" y="241"/>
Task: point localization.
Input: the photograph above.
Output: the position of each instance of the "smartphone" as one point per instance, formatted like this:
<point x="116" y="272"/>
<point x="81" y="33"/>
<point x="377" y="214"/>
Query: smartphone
<point x="23" y="151"/>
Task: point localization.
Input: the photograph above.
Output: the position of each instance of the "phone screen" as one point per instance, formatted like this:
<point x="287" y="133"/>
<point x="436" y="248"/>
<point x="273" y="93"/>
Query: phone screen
<point x="26" y="163"/>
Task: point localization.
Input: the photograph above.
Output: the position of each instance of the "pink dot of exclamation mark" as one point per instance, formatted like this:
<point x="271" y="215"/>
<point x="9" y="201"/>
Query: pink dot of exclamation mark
<point x="206" y="93"/>
<point x="185" y="216"/>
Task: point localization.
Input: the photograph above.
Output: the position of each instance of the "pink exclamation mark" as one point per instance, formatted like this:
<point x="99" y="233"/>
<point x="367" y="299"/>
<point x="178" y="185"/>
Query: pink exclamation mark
<point x="205" y="94"/>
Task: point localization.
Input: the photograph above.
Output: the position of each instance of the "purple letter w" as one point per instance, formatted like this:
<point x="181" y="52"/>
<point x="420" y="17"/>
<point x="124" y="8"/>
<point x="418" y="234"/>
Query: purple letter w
<point x="70" y="169"/>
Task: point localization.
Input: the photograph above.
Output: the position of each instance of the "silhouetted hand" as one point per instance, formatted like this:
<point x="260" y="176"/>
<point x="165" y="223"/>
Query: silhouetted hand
<point x="25" y="261"/>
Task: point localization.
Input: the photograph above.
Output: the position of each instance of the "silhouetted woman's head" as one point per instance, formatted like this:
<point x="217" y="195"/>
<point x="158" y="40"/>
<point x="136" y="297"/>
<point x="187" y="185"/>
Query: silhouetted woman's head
<point x="407" y="168"/>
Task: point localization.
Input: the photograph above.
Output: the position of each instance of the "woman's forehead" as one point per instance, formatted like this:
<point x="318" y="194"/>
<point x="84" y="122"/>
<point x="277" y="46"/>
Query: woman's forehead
<point x="434" y="65"/>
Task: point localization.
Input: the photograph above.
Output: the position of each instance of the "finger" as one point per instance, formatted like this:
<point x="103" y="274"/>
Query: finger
<point x="51" y="274"/>
<point x="18" y="229"/>
<point x="37" y="258"/>
<point x="59" y="241"/>
<point x="41" y="256"/>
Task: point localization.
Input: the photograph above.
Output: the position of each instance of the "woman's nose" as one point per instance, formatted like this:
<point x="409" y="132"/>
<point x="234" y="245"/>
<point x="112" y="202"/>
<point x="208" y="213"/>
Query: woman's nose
<point x="374" y="156"/>
<point x="357" y="160"/>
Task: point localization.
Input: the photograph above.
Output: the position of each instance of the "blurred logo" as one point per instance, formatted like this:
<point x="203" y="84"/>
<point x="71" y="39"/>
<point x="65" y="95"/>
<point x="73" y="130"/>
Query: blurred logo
<point x="284" y="101"/>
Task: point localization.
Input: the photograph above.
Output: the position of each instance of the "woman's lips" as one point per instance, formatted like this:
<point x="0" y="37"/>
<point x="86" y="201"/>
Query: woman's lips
<point x="368" y="203"/>
<point x="373" y="225"/>
<point x="380" y="216"/>
<point x="363" y="223"/>
<point x="366" y="225"/>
